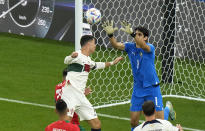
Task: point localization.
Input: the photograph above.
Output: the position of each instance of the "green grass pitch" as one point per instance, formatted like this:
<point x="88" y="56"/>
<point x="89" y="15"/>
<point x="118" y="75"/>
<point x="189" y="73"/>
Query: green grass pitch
<point x="29" y="70"/>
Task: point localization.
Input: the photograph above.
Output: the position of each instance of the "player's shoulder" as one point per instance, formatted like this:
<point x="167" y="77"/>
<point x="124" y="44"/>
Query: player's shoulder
<point x="129" y="45"/>
<point x="78" y="51"/>
<point x="164" y="122"/>
<point x="81" y="56"/>
<point x="71" y="126"/>
<point x="151" y="45"/>
<point x="74" y="127"/>
<point x="50" y="126"/>
<point x="168" y="125"/>
<point x="139" y="128"/>
<point x="59" y="85"/>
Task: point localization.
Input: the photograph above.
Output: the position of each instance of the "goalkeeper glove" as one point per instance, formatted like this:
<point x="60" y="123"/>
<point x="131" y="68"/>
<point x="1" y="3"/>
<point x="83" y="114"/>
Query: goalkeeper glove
<point x="108" y="27"/>
<point x="126" y="28"/>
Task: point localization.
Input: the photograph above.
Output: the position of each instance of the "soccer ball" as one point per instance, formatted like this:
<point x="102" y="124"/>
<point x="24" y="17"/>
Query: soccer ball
<point x="93" y="16"/>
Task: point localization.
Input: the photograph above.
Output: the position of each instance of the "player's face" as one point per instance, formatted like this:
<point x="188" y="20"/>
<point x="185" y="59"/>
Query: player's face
<point x="140" y="35"/>
<point x="92" y="46"/>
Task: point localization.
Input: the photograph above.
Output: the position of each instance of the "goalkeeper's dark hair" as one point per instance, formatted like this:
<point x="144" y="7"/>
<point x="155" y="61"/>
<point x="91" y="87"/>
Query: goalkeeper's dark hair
<point x="85" y="39"/>
<point x="65" y="71"/>
<point x="144" y="30"/>
<point x="61" y="106"/>
<point x="148" y="108"/>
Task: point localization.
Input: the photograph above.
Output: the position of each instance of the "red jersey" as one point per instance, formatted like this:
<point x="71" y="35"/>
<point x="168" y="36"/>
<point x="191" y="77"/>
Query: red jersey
<point x="58" y="90"/>
<point x="58" y="93"/>
<point x="62" y="126"/>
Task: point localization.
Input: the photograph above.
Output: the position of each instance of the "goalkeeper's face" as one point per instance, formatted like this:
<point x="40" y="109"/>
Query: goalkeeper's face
<point x="140" y="35"/>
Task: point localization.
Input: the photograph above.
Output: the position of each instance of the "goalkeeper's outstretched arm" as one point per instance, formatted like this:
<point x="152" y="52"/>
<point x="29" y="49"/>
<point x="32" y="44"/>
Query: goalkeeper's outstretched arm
<point x="116" y="44"/>
<point x="108" y="27"/>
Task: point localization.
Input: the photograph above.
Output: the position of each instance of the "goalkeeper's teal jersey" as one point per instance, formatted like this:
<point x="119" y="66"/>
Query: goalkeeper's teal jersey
<point x="143" y="67"/>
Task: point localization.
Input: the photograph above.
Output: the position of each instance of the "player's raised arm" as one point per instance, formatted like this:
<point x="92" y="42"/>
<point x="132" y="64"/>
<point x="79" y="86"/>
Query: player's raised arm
<point x="118" y="59"/>
<point x="140" y="41"/>
<point x="102" y="65"/>
<point x="68" y="59"/>
<point x="108" y="27"/>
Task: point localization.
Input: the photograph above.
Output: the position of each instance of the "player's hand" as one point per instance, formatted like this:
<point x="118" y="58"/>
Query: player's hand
<point x="179" y="126"/>
<point x="74" y="55"/>
<point x="126" y="27"/>
<point x="118" y="59"/>
<point x="88" y="91"/>
<point x="108" y="27"/>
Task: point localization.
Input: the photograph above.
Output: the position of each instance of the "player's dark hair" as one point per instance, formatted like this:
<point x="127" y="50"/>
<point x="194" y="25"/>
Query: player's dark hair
<point x="65" y="71"/>
<point x="148" y="108"/>
<point x="61" y="106"/>
<point x="144" y="30"/>
<point x="86" y="38"/>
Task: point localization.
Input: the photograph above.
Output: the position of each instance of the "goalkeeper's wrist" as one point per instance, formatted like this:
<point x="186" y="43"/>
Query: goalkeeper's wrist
<point x="110" y="35"/>
<point x="133" y="34"/>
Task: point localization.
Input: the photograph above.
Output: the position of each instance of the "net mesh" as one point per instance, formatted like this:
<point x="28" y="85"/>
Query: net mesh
<point x="177" y="30"/>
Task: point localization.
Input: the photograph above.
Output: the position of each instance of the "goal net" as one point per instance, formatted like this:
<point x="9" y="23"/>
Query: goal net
<point x="177" y="30"/>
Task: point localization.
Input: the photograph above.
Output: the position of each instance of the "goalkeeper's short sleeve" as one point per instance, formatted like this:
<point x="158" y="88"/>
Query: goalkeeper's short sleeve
<point x="152" y="48"/>
<point x="129" y="46"/>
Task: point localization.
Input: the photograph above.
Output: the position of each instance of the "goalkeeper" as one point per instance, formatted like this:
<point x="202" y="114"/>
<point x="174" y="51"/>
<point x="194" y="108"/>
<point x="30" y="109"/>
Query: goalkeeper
<point x="146" y="82"/>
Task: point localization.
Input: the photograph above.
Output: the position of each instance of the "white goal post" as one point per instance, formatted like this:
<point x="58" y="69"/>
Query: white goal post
<point x="177" y="30"/>
<point x="78" y="22"/>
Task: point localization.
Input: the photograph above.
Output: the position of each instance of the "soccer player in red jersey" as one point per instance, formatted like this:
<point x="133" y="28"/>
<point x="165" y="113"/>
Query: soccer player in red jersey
<point x="58" y="93"/>
<point x="62" y="124"/>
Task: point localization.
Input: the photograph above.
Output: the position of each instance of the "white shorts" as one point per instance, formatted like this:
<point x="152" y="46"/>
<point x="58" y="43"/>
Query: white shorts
<point x="77" y="102"/>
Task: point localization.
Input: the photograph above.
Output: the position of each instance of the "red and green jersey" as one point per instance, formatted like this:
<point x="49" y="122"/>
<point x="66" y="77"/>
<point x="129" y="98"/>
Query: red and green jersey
<point x="58" y="93"/>
<point x="62" y="126"/>
<point x="58" y="90"/>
